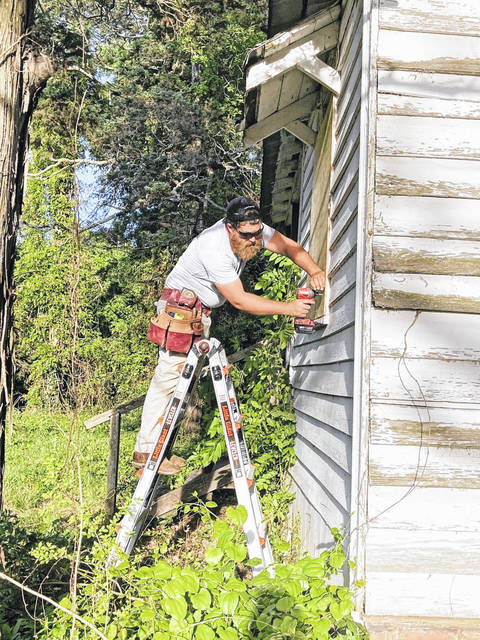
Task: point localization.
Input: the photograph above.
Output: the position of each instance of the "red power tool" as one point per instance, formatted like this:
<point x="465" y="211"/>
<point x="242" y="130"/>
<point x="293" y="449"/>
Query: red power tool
<point x="305" y="325"/>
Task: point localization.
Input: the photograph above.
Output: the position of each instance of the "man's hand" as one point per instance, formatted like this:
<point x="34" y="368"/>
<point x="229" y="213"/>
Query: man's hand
<point x="299" y="308"/>
<point x="317" y="280"/>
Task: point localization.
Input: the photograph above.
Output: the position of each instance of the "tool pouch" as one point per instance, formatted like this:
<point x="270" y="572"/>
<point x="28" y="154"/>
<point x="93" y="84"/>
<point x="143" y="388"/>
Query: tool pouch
<point x="177" y="327"/>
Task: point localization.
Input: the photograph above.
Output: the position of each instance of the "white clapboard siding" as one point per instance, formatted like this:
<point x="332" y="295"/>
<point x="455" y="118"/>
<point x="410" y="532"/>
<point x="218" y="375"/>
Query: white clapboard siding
<point x="343" y="279"/>
<point x="426" y="255"/>
<point x="428" y="137"/>
<point x="331" y="442"/>
<point x="428" y="52"/>
<point x="335" y="348"/>
<point x="438" y="16"/>
<point x="416" y="380"/>
<point x="411" y="466"/>
<point x="425" y="291"/>
<point x="441" y="86"/>
<point x="343" y="248"/>
<point x="427" y="217"/>
<point x="445" y="177"/>
<point x="438" y="336"/>
<point x="393" y="104"/>
<point x="334" y="410"/>
<point x="424" y="509"/>
<point x="341" y="219"/>
<point x="392" y="424"/>
<point x="423" y="594"/>
<point x="332" y="379"/>
<point x="433" y="551"/>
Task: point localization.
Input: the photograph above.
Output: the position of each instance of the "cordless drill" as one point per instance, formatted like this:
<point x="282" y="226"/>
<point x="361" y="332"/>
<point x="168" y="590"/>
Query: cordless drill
<point x="305" y="325"/>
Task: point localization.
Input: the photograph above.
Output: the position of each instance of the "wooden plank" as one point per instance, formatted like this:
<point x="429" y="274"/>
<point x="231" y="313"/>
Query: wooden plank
<point x="426" y="508"/>
<point x="335" y="480"/>
<point x="428" y="52"/>
<point x="112" y="467"/>
<point x="334" y="379"/>
<point x="435" y="552"/>
<point x="428" y="217"/>
<point x="417" y="426"/>
<point x="279" y="119"/>
<point x="290" y="84"/>
<point x="417" y="380"/>
<point x="444" y="86"/>
<point x="423" y="594"/>
<point x="343" y="279"/>
<point x="444" y="336"/>
<point x="455" y="16"/>
<point x="334" y="411"/>
<point x="287" y="58"/>
<point x="393" y="104"/>
<point x="404" y="466"/>
<point x="427" y="177"/>
<point x="302" y="132"/>
<point x="427" y="292"/>
<point x="99" y="419"/>
<point x="268" y="98"/>
<point x="426" y="255"/>
<point x="322" y="73"/>
<point x="198" y="482"/>
<point x="335" y="348"/>
<point x="428" y="137"/>
<point x="336" y="445"/>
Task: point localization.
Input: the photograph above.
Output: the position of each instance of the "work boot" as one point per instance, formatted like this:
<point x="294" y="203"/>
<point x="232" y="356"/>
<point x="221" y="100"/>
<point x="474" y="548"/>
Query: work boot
<point x="178" y="461"/>
<point x="167" y="467"/>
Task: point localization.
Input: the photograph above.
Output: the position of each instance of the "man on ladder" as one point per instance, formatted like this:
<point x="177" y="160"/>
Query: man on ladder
<point x="207" y="274"/>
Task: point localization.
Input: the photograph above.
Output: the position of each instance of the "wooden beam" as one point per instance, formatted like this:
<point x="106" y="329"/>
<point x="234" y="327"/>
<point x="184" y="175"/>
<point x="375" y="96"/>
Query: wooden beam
<point x="287" y="59"/>
<point x="322" y="73"/>
<point x="279" y="120"/>
<point x="302" y="132"/>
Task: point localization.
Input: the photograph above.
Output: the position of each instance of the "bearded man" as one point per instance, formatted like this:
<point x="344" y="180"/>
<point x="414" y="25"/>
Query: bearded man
<point x="209" y="270"/>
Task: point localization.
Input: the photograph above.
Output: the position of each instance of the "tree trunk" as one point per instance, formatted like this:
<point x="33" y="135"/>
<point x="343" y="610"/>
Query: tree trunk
<point x="23" y="74"/>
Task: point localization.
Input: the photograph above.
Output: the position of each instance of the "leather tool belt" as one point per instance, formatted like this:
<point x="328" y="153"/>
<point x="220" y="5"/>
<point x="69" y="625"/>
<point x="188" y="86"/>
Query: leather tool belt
<point x="180" y="323"/>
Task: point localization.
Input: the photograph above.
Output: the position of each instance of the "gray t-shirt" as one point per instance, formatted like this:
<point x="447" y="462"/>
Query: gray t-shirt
<point x="208" y="259"/>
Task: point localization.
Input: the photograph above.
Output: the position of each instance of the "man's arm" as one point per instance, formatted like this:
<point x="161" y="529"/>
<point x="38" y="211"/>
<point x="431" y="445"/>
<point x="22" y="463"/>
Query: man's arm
<point x="241" y="299"/>
<point x="288" y="247"/>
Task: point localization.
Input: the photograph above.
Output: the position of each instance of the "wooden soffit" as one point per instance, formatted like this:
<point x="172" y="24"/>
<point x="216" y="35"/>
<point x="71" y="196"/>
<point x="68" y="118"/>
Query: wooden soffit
<point x="283" y="75"/>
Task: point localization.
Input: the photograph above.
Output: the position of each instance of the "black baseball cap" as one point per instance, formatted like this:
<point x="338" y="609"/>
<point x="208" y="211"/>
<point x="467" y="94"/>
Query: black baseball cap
<point x="242" y="209"/>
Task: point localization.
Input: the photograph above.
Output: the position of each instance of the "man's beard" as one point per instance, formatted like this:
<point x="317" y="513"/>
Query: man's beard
<point x="243" y="249"/>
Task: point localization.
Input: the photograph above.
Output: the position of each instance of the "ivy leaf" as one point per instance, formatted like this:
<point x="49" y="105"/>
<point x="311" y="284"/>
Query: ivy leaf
<point x="202" y="599"/>
<point x="190" y="580"/>
<point x="285" y="604"/>
<point x="147" y="614"/>
<point x="228" y="634"/>
<point x="204" y="632"/>
<point x="228" y="602"/>
<point x="213" y="555"/>
<point x="176" y="607"/>
<point x="237" y="515"/>
<point x="236" y="551"/>
<point x="321" y="628"/>
<point x="337" y="558"/>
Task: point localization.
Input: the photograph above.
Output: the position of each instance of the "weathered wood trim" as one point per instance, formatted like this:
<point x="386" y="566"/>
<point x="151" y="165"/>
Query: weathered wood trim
<point x="455" y="16"/>
<point x="321" y="73"/>
<point x="427" y="217"/>
<point x="428" y="137"/>
<point x="393" y="104"/>
<point x="428" y="292"/>
<point x="444" y="86"/>
<point x="302" y="132"/>
<point x="441" y="177"/>
<point x="428" y="52"/>
<point x="426" y="255"/>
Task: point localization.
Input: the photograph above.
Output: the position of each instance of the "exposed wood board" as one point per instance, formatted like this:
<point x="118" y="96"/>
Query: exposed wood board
<point x="344" y="216"/>
<point x="335" y="411"/>
<point x="343" y="279"/>
<point x="444" y="336"/>
<point x="417" y="381"/>
<point x="321" y="73"/>
<point x="99" y="419"/>
<point x="434" y="551"/>
<point x="426" y="255"/>
<point x="269" y="99"/>
<point x="341" y="315"/>
<point x="417" y="426"/>
<point x="347" y="91"/>
<point x="444" y="86"/>
<point x="425" y="508"/>
<point x="344" y="248"/>
<point x="393" y="104"/>
<point x="302" y="132"/>
<point x="428" y="52"/>
<point x="455" y="16"/>
<point x="404" y="466"/>
<point x="345" y="181"/>
<point x="330" y="475"/>
<point x="291" y="83"/>
<point x="427" y="217"/>
<point x="428" y="137"/>
<point x="333" y="444"/>
<point x="279" y="119"/>
<point x="428" y="292"/>
<point x="308" y="86"/>
<point x="350" y="142"/>
<point x="335" y="348"/>
<point x="427" y="177"/>
<point x="331" y="379"/>
<point x="399" y="594"/>
<point x="285" y="60"/>
<point x="300" y="31"/>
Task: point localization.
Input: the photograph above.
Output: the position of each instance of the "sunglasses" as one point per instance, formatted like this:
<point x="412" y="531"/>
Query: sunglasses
<point x="246" y="235"/>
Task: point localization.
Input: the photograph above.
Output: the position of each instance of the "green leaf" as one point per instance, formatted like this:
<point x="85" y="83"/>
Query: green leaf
<point x="190" y="580"/>
<point x="285" y="604"/>
<point x="288" y="625"/>
<point x="228" y="602"/>
<point x="204" y="632"/>
<point x="236" y="551"/>
<point x="213" y="555"/>
<point x="202" y="599"/>
<point x="147" y="614"/>
<point x="237" y="515"/>
<point x="337" y="558"/>
<point x="321" y="628"/>
<point x="176" y="607"/>
<point x="228" y="634"/>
